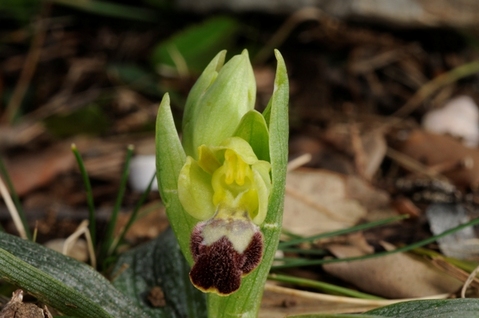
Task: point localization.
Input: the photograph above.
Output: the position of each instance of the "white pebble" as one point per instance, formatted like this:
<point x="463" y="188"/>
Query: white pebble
<point x="459" y="118"/>
<point x="142" y="168"/>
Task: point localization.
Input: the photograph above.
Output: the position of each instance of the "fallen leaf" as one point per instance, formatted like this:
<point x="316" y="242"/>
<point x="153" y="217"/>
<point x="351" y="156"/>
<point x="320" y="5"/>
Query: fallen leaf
<point x="435" y="151"/>
<point x="398" y="275"/>
<point x="31" y="171"/>
<point x="317" y="201"/>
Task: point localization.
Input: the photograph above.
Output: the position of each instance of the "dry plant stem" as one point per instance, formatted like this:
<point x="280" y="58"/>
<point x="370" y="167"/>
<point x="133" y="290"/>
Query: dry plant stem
<point x="81" y="229"/>
<point x="28" y="69"/>
<point x="13" y="210"/>
<point x="302" y="15"/>
<point x="35" y="232"/>
<point x="358" y="149"/>
<point x="454" y="271"/>
<point x="435" y="84"/>
<point x="413" y="165"/>
<point x="299" y="162"/>
<point x="471" y="277"/>
<point x="342" y="299"/>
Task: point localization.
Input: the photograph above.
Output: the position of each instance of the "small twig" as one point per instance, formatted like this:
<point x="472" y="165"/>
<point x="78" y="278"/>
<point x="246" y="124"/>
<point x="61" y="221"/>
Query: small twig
<point x="359" y="154"/>
<point x="302" y="15"/>
<point x="13" y="210"/>
<point x="28" y="69"/>
<point x="342" y="299"/>
<point x="453" y="270"/>
<point x="413" y="165"/>
<point x="469" y="280"/>
<point x="435" y="84"/>
<point x="81" y="229"/>
<point x="299" y="162"/>
<point x="322" y="286"/>
<point x="16" y="200"/>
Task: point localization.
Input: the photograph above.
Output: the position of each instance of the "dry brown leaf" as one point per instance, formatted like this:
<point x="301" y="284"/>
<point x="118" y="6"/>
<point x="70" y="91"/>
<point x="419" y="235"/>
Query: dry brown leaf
<point x="317" y="201"/>
<point x="444" y="154"/>
<point x="398" y="275"/>
<point x="29" y="171"/>
<point x="370" y="197"/>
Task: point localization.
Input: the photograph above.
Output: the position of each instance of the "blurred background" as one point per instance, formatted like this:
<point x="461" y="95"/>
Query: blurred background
<point x="383" y="98"/>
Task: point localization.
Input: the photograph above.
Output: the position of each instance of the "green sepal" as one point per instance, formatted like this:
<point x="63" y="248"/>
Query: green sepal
<point x="195" y="191"/>
<point x="254" y="130"/>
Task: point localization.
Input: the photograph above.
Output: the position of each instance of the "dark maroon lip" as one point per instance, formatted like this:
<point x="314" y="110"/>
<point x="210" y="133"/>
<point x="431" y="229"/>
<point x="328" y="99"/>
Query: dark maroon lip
<point x="219" y="267"/>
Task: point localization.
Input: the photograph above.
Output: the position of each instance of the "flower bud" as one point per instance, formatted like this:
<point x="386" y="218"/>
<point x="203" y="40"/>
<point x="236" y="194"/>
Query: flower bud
<point x="218" y="101"/>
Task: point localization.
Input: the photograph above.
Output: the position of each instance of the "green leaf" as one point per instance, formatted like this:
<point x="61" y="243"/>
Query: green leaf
<point x="136" y="77"/>
<point x="437" y="308"/>
<point x="72" y="287"/>
<point x="195" y="45"/>
<point x="21" y="10"/>
<point x="110" y="9"/>
<point x="246" y="301"/>
<point x="90" y="120"/>
<point x="170" y="158"/>
<point x="334" y="316"/>
<point x="160" y="263"/>
<point x="253" y="129"/>
<point x="434" y="308"/>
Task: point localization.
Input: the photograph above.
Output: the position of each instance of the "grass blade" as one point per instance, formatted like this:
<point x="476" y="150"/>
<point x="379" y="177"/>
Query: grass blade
<point x="325" y="287"/>
<point x="133" y="216"/>
<point x="349" y="230"/>
<point x="398" y="250"/>
<point x="89" y="194"/>
<point x="108" y="240"/>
